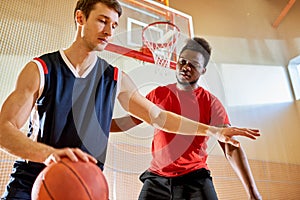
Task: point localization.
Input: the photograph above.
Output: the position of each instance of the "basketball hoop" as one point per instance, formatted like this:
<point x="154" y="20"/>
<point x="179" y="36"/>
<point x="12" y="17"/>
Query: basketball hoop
<point x="160" y="38"/>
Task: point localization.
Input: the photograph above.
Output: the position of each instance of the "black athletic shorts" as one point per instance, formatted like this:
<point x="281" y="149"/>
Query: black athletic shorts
<point x="196" y="185"/>
<point x="21" y="180"/>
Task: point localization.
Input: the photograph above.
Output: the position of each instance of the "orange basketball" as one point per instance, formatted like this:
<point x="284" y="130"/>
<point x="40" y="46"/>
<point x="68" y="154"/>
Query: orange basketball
<point x="69" y="180"/>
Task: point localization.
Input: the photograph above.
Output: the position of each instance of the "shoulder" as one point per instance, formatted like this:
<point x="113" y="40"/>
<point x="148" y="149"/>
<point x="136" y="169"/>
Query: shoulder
<point x="49" y="56"/>
<point x="45" y="61"/>
<point x="29" y="78"/>
<point x="205" y="93"/>
<point x="103" y="65"/>
<point x="160" y="90"/>
<point x="207" y="96"/>
<point x="159" y="93"/>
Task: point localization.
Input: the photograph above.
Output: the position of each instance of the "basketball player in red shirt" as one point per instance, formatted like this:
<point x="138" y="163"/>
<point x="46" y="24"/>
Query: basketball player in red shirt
<point x="178" y="168"/>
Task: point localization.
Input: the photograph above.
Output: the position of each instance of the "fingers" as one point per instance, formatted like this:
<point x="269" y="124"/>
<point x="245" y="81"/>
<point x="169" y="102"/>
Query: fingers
<point x="51" y="158"/>
<point x="70" y="153"/>
<point x="84" y="156"/>
<point x="254" y="132"/>
<point x="250" y="133"/>
<point x="74" y="154"/>
<point x="92" y="159"/>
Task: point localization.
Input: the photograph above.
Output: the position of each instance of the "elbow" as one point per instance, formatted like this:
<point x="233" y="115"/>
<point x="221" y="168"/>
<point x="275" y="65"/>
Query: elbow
<point x="166" y="121"/>
<point x="158" y="118"/>
<point x="233" y="153"/>
<point x="230" y="150"/>
<point x="2" y="131"/>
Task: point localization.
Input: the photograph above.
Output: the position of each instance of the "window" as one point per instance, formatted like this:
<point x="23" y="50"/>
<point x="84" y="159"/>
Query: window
<point x="294" y="70"/>
<point x="255" y="84"/>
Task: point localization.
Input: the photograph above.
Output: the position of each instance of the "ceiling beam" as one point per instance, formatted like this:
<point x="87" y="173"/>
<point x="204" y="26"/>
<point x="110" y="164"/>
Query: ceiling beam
<point x="283" y="13"/>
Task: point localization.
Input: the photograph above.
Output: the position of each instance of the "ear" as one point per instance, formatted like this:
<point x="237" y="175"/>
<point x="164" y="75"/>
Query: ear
<point x="79" y="17"/>
<point x="203" y="70"/>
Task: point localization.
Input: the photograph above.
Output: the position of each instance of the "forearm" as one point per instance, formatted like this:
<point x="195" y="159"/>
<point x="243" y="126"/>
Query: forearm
<point x="173" y="123"/>
<point x="16" y="143"/>
<point x="238" y="160"/>
<point x="141" y="108"/>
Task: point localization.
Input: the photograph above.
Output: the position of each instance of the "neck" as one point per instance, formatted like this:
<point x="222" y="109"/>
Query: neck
<point x="187" y="86"/>
<point x="79" y="57"/>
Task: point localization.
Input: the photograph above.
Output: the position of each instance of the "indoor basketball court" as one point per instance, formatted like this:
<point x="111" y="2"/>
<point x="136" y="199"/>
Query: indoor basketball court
<point x="128" y="154"/>
<point x="146" y="45"/>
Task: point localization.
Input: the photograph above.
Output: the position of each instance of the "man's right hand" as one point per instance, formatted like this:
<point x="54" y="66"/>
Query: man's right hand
<point x="74" y="154"/>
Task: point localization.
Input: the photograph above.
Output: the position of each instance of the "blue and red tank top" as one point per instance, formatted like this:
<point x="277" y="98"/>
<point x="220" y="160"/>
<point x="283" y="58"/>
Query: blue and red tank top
<point x="75" y="111"/>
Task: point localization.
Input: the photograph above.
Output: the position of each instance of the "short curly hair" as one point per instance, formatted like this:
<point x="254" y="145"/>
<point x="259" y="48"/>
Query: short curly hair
<point x="199" y="45"/>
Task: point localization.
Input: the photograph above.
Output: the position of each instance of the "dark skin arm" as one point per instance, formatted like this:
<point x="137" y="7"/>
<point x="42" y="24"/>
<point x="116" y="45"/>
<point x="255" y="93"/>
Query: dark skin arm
<point x="124" y="123"/>
<point x="238" y="161"/>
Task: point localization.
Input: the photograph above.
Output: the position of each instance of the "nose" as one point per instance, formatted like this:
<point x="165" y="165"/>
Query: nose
<point x="186" y="67"/>
<point x="108" y="30"/>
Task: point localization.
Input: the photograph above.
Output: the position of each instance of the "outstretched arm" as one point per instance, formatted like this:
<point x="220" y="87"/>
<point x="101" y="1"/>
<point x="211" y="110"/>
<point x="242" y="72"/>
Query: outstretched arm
<point x="238" y="160"/>
<point x="140" y="107"/>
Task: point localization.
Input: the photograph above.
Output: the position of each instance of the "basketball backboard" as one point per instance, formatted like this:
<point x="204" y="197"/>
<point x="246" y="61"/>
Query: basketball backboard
<point x="137" y="14"/>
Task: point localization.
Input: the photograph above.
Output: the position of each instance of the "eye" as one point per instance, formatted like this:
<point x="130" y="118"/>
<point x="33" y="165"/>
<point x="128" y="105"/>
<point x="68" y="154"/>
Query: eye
<point x="182" y="61"/>
<point x="102" y="21"/>
<point x="114" y="26"/>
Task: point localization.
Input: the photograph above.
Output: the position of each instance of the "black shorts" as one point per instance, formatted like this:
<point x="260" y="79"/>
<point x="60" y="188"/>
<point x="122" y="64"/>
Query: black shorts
<point x="21" y="180"/>
<point x="196" y="185"/>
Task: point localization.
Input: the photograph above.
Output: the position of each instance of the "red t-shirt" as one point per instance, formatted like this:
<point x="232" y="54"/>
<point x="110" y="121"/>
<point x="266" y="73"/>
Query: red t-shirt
<point x="173" y="154"/>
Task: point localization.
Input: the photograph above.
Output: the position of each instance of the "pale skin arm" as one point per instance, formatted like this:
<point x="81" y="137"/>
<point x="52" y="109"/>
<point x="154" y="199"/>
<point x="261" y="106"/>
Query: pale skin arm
<point x="138" y="106"/>
<point x="14" y="114"/>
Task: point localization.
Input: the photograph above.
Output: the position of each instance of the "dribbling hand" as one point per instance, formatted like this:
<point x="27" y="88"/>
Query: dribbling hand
<point x="74" y="154"/>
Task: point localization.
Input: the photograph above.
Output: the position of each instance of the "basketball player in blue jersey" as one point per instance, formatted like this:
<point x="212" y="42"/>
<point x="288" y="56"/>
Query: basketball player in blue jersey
<point x="69" y="97"/>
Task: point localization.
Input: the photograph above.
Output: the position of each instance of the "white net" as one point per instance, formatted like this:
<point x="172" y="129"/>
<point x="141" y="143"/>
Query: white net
<point x="160" y="38"/>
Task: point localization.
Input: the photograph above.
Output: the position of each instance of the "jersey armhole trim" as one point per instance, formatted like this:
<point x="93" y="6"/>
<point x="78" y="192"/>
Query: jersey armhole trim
<point x="116" y="74"/>
<point x="118" y="78"/>
<point x="44" y="66"/>
<point x="42" y="77"/>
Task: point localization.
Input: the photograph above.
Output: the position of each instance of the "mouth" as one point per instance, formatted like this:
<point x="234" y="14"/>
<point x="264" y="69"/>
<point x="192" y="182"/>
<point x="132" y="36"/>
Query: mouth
<point x="185" y="75"/>
<point x="103" y="40"/>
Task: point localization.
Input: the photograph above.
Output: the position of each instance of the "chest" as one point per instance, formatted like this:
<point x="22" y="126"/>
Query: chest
<point x="191" y="105"/>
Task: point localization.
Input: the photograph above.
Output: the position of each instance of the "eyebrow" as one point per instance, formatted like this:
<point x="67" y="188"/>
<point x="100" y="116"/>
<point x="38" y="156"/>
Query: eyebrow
<point x="106" y="17"/>
<point x="196" y="62"/>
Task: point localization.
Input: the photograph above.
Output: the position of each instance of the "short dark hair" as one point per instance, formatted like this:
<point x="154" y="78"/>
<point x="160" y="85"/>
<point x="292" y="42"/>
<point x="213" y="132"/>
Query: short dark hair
<point x="199" y="45"/>
<point x="86" y="6"/>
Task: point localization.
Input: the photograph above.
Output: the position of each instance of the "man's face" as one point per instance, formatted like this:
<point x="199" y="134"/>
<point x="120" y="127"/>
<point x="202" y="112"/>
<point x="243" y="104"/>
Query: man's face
<point x="189" y="67"/>
<point x="99" y="27"/>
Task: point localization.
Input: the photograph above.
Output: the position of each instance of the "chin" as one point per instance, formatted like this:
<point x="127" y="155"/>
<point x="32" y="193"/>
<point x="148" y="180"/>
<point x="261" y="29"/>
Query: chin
<point x="100" y="48"/>
<point x="183" y="81"/>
